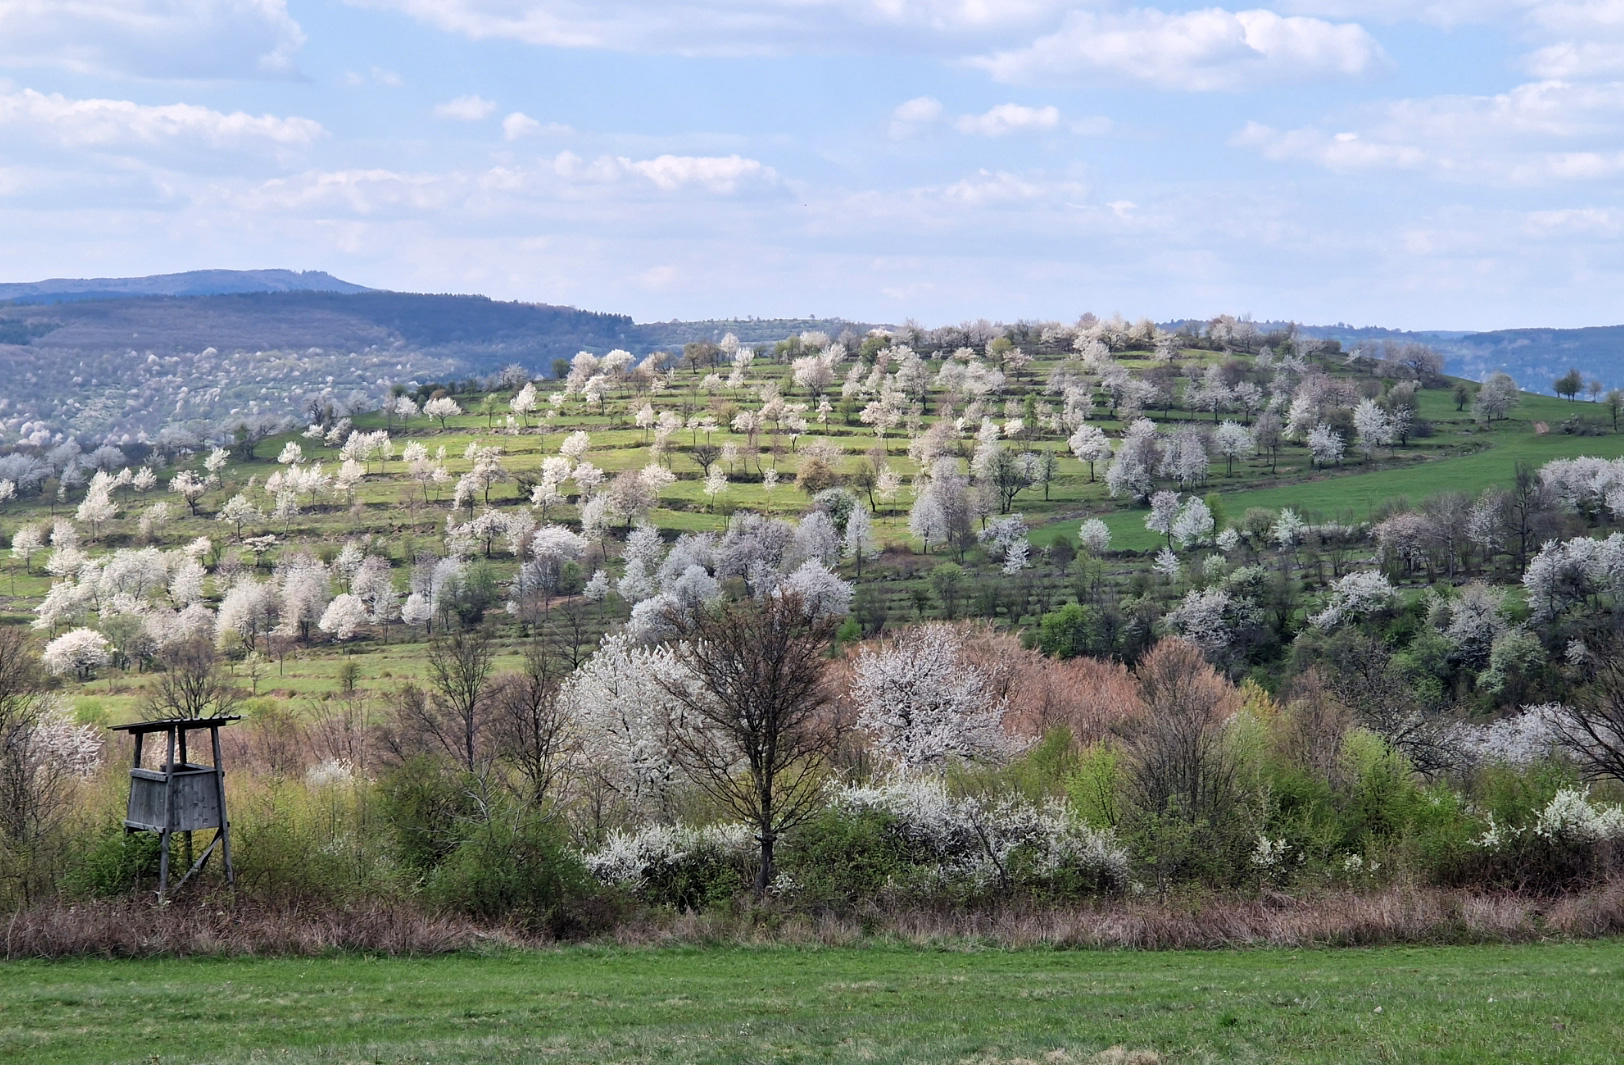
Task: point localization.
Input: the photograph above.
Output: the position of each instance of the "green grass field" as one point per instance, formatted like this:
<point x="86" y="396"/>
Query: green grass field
<point x="1477" y="1005"/>
<point x="1351" y="494"/>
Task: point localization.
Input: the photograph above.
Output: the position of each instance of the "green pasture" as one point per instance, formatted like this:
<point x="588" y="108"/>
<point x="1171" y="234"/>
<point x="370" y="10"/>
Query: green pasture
<point x="1353" y="492"/>
<point x="1555" y="1003"/>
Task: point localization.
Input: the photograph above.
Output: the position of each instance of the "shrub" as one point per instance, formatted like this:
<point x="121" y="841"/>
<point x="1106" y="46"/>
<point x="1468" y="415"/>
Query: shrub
<point x="688" y="868"/>
<point x="1571" y="842"/>
<point x="912" y="841"/>
<point x="425" y="806"/>
<point x="116" y="864"/>
<point x="517" y="868"/>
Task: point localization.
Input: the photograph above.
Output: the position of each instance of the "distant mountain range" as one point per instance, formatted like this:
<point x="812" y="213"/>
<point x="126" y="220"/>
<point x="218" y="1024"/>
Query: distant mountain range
<point x="191" y="283"/>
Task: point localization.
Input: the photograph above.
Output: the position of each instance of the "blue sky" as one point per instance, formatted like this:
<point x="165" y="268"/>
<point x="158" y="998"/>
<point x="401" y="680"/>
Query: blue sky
<point x="1455" y="164"/>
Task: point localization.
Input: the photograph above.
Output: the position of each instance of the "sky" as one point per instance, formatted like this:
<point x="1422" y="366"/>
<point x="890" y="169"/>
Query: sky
<point x="1440" y="164"/>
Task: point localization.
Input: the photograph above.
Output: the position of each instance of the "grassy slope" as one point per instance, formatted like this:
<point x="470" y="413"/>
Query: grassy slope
<point x="1546" y="1003"/>
<point x="1348" y="494"/>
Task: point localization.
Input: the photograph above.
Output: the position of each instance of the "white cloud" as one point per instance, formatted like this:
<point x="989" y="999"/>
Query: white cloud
<point x="718" y="174"/>
<point x="1211" y="49"/>
<point x="1445" y="13"/>
<point x="121" y="126"/>
<point x="519" y="125"/>
<point x="377" y="76"/>
<point x="1591" y="222"/>
<point x="469" y="108"/>
<point x="1010" y="118"/>
<point x="565" y="178"/>
<point x="919" y="109"/>
<point x="152" y="38"/>
<point x="909" y="117"/>
<point x="1571" y="59"/>
<point x="1336" y="151"/>
<point x="728" y="27"/>
<point x="1541" y="133"/>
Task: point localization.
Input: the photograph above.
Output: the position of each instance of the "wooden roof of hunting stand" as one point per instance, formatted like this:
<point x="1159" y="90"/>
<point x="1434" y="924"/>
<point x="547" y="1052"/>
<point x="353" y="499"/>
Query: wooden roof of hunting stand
<point x="180" y="795"/>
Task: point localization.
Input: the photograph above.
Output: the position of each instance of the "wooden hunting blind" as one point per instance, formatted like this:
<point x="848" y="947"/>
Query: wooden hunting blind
<point x="179" y="796"/>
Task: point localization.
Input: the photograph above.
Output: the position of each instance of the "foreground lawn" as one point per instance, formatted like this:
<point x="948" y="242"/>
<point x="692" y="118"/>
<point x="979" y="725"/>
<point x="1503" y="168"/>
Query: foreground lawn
<point x="1546" y="1003"/>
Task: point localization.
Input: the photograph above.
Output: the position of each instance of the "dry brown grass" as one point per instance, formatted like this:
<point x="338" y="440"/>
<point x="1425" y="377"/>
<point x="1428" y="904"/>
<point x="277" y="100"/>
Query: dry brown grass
<point x="1400" y="915"/>
<point x="138" y="929"/>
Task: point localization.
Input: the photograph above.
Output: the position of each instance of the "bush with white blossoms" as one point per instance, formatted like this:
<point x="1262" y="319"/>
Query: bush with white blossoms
<point x="971" y="844"/>
<point x="1571" y="840"/>
<point x="677" y="865"/>
<point x="1521" y="739"/>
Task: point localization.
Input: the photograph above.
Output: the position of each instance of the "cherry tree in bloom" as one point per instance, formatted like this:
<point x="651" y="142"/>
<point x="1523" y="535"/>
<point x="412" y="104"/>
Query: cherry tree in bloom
<point x="247" y="612"/>
<point x="1090" y="445"/>
<point x="1234" y="441"/>
<point x="1094" y="536"/>
<point x="1194" y="522"/>
<point x="524" y="403"/>
<point x="1201" y="618"/>
<point x="928" y="519"/>
<point x="344" y="617"/>
<point x="1164" y="511"/>
<point x="441" y="408"/>
<point x="27" y="542"/>
<point x="821" y="591"/>
<point x="1373" y="427"/>
<point x="859" y="544"/>
<point x="239" y="511"/>
<point x="575" y="445"/>
<point x="1325" y="445"/>
<point x="596" y="590"/>
<point x="715" y="485"/>
<point x="417" y="610"/>
<point x="923" y="703"/>
<point x="1355" y="596"/>
<point x="304" y="594"/>
<point x="79" y="652"/>
<point x="620" y="704"/>
<point x="190" y="487"/>
<point x="1288" y="529"/>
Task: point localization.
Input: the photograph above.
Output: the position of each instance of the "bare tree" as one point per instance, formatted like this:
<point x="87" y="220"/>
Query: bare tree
<point x="529" y="725"/>
<point x="760" y="731"/>
<point x="452" y="714"/>
<point x="1591" y="726"/>
<point x="1181" y="765"/>
<point x="192" y="684"/>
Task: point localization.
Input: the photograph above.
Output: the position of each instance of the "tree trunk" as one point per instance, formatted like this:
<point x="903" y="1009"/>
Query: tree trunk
<point x="764" y="874"/>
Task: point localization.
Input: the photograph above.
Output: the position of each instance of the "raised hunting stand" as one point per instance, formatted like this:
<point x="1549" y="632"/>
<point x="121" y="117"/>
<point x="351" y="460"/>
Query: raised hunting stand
<point x="179" y="796"/>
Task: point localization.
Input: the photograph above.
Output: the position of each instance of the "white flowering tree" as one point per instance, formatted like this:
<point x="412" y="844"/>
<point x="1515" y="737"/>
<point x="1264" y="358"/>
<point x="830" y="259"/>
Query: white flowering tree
<point x="923" y="703"/>
<point x="1094" y="536"/>
<point x="441" y="408"/>
<point x="345" y="616"/>
<point x="1355" y="596"/>
<point x="1164" y="511"/>
<point x="1234" y="441"/>
<point x="78" y="652"/>
<point x="620" y="705"/>
<point x="1325" y="445"/>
